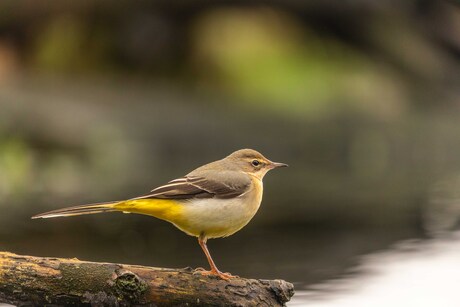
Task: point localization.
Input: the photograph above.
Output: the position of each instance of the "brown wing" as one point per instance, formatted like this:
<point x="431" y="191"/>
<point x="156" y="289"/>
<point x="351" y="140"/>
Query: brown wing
<point x="201" y="187"/>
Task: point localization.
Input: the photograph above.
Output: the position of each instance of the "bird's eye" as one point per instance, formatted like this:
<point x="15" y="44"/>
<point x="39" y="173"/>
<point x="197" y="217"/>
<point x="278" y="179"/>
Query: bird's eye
<point x="255" y="162"/>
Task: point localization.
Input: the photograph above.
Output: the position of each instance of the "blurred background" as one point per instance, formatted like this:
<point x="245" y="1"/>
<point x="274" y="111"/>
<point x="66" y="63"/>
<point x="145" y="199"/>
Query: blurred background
<point x="103" y="100"/>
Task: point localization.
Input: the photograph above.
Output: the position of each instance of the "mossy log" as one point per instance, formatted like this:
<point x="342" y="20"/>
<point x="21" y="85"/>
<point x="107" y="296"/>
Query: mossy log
<point x="37" y="281"/>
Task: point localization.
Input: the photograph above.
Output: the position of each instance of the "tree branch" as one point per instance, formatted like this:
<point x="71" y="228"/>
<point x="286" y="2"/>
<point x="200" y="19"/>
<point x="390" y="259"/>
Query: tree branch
<point x="39" y="281"/>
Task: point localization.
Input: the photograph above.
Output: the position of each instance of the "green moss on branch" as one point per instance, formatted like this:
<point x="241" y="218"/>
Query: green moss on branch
<point x="40" y="281"/>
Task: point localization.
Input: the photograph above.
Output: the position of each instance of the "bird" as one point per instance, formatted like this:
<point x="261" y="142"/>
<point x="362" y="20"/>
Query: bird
<point x="213" y="201"/>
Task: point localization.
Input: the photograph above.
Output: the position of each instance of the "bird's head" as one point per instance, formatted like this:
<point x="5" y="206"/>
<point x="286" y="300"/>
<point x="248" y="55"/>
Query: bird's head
<point x="252" y="162"/>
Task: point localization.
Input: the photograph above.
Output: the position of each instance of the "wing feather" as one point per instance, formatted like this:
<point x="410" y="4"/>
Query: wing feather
<point x="200" y="187"/>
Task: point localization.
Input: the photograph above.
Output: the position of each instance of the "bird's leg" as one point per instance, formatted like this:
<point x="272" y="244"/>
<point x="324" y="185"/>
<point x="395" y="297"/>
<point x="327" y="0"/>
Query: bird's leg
<point x="214" y="270"/>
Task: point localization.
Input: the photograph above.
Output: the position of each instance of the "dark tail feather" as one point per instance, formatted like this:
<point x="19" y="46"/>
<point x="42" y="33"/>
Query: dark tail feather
<point x="78" y="210"/>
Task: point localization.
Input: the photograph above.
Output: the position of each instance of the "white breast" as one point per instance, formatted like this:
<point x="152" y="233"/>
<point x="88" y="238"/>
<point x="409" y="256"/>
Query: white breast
<point x="215" y="218"/>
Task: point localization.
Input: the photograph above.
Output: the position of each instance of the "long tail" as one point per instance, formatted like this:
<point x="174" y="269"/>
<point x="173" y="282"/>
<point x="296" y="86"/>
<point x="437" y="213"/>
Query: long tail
<point x="165" y="209"/>
<point x="79" y="210"/>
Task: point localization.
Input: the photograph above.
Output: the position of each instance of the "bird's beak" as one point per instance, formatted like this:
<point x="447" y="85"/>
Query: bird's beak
<point x="278" y="164"/>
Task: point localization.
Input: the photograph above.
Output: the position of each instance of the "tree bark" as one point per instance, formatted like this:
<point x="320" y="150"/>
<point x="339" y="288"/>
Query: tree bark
<point x="37" y="281"/>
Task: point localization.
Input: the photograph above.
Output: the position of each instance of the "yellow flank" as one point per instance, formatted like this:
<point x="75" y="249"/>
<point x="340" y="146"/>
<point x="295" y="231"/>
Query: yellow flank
<point x="165" y="209"/>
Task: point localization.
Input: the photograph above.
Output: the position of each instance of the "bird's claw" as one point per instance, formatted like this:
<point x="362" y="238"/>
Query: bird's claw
<point x="224" y="276"/>
<point x="198" y="270"/>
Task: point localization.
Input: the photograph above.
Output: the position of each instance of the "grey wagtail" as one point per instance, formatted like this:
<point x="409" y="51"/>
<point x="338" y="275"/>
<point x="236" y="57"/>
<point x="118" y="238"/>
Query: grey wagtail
<point x="213" y="201"/>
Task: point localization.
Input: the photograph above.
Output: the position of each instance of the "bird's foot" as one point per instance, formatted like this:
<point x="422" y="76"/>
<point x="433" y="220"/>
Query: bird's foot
<point x="225" y="276"/>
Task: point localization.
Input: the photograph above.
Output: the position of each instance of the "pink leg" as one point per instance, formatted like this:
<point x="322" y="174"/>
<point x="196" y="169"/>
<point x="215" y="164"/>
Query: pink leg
<point x="214" y="270"/>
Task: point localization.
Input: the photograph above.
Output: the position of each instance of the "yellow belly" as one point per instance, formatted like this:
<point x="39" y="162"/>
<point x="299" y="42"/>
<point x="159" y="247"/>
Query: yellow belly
<point x="211" y="217"/>
<point x="165" y="209"/>
<point x="216" y="218"/>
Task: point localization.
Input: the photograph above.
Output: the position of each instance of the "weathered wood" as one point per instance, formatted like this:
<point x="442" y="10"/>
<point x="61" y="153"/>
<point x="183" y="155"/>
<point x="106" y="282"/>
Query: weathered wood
<point x="36" y="281"/>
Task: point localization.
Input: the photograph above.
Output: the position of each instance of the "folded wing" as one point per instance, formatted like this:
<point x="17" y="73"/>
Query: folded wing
<point x="232" y="185"/>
